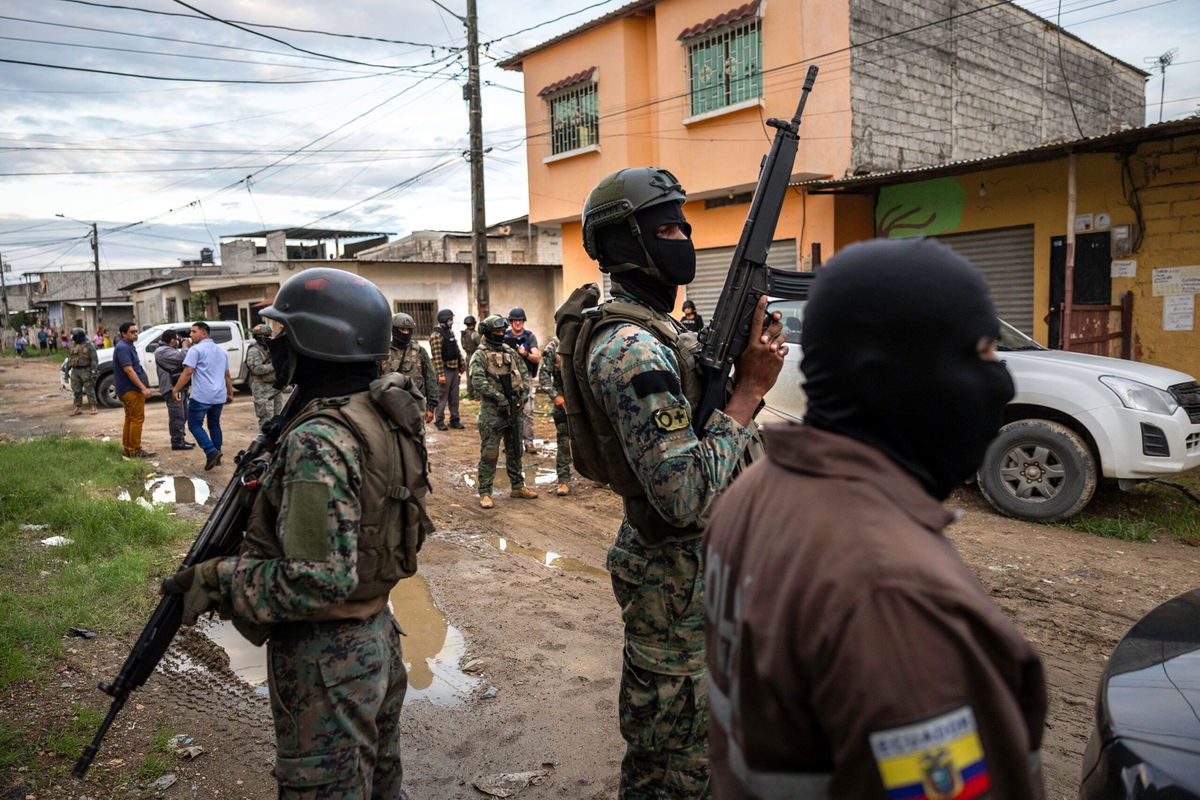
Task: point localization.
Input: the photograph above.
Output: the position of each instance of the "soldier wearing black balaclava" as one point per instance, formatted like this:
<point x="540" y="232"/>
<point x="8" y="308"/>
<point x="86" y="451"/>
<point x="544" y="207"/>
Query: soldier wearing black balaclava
<point x="851" y="653"/>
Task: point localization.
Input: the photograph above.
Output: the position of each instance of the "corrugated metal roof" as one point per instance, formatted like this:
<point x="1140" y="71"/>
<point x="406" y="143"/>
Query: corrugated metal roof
<point x="562" y="83"/>
<point x="721" y="19"/>
<point x="514" y="61"/>
<point x="1045" y="152"/>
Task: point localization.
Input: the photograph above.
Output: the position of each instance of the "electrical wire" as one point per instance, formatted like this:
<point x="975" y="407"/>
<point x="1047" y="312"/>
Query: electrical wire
<point x="186" y="80"/>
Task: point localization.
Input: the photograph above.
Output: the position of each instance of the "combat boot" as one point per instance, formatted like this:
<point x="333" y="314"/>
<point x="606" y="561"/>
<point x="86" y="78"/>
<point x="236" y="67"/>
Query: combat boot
<point x="485" y="501"/>
<point x="524" y="493"/>
<point x="563" y="489"/>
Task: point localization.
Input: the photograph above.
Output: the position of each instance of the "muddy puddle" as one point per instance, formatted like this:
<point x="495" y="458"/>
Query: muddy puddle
<point x="547" y="558"/>
<point x="433" y="649"/>
<point x="534" y="476"/>
<point x="169" y="489"/>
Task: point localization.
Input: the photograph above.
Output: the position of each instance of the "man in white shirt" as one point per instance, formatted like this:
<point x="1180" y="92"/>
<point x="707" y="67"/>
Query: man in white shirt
<point x="206" y="368"/>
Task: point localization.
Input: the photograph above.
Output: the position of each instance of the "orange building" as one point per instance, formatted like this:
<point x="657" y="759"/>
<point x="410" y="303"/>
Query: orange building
<point x="688" y="84"/>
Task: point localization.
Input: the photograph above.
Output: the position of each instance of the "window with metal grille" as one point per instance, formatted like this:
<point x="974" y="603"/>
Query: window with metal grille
<point x="423" y="313"/>
<point x="574" y="118"/>
<point x="725" y="66"/>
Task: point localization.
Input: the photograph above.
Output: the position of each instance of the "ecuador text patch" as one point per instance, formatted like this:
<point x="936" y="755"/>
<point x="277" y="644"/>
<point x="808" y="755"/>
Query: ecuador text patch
<point x="935" y="759"/>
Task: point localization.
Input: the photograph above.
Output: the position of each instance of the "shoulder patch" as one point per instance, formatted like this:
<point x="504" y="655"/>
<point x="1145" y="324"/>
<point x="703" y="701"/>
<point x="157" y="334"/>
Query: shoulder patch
<point x="940" y="758"/>
<point x="672" y="418"/>
<point x="649" y="383"/>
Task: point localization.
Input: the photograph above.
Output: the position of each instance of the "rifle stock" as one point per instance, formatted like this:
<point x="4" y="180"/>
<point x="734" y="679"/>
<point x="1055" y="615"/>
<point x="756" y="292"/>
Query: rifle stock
<point x="220" y="536"/>
<point x="728" y="332"/>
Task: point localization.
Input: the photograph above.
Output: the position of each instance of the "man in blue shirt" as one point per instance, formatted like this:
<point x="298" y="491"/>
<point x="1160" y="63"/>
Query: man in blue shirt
<point x="206" y="367"/>
<point x="129" y="382"/>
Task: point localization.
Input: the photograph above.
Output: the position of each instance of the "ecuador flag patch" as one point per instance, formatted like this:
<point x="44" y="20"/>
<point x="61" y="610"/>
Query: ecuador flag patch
<point x="936" y="759"/>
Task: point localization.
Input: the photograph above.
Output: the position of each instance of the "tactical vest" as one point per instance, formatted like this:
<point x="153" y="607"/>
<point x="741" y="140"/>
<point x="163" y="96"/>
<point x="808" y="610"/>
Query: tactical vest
<point x="79" y="355"/>
<point x="266" y="356"/>
<point x="499" y="363"/>
<point x="406" y="361"/>
<point x="387" y="422"/>
<point x="595" y="444"/>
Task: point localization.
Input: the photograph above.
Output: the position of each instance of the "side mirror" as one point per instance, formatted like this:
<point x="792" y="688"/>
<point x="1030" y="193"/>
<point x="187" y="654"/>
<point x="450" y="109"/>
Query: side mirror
<point x="150" y="348"/>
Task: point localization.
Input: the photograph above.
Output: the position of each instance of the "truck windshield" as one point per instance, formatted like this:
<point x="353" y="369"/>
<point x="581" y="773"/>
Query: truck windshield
<point x="1012" y="339"/>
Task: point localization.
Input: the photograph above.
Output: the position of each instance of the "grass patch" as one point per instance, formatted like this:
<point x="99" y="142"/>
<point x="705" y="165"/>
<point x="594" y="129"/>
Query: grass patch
<point x="158" y="761"/>
<point x="99" y="580"/>
<point x="1148" y="512"/>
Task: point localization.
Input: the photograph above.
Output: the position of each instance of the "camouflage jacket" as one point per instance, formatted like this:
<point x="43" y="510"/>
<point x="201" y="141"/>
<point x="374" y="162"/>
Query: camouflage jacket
<point x="440" y="365"/>
<point x="313" y="480"/>
<point x="258" y="361"/>
<point x="487" y="385"/>
<point x="550" y="372"/>
<point x="471" y="340"/>
<point x="414" y="362"/>
<point x="635" y="378"/>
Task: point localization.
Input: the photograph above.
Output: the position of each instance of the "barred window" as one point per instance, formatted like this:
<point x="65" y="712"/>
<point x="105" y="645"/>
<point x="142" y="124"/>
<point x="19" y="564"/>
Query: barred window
<point x="423" y="313"/>
<point x="725" y="66"/>
<point x="574" y="118"/>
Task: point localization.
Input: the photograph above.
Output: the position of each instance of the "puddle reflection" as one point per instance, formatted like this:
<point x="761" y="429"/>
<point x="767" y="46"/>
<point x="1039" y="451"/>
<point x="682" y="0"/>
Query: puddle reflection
<point x="433" y="649"/>
<point x="169" y="489"/>
<point x="547" y="558"/>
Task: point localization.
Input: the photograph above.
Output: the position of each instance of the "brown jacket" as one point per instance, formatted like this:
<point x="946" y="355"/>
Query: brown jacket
<point x="851" y="653"/>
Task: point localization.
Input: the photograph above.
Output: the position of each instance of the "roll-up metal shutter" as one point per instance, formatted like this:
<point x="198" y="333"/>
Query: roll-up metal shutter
<point x="1005" y="257"/>
<point x="712" y="265"/>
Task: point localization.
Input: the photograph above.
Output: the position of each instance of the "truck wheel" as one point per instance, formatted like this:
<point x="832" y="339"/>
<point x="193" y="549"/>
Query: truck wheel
<point x="1038" y="470"/>
<point x="106" y="392"/>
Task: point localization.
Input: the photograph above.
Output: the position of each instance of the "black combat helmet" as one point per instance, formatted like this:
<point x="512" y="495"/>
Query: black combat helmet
<point x="333" y="315"/>
<point x="517" y="313"/>
<point x="444" y="316"/>
<point x="468" y="320"/>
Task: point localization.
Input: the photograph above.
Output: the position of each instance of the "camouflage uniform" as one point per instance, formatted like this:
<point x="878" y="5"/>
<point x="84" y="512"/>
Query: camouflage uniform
<point x="268" y="401"/>
<point x="550" y="378"/>
<point x="414" y="362"/>
<point x="663" y="703"/>
<point x="83" y="378"/>
<point x="494" y="428"/>
<point x="337" y="687"/>
<point x="470" y="341"/>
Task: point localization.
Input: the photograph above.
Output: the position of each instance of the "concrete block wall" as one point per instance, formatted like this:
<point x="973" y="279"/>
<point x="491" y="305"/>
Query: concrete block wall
<point x="988" y="81"/>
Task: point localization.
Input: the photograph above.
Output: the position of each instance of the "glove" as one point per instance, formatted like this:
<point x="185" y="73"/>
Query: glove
<point x="503" y="408"/>
<point x="200" y="587"/>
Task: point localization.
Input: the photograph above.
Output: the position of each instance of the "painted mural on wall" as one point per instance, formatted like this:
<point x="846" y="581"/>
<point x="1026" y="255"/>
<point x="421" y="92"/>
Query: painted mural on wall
<point x="924" y="208"/>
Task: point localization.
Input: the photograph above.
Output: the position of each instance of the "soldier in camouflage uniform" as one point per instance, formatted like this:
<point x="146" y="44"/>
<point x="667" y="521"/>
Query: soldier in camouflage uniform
<point x="494" y="364"/>
<point x="409" y="358"/>
<point x="320" y="555"/>
<point x="268" y="400"/>
<point x="550" y="379"/>
<point x="470" y="342"/>
<point x="82" y="363"/>
<point x="633" y="224"/>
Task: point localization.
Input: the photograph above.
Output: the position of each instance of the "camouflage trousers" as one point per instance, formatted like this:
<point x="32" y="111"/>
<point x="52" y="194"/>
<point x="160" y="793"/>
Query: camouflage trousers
<point x="336" y="693"/>
<point x="83" y="386"/>
<point x="663" y="703"/>
<point x="492" y="431"/>
<point x="562" y="458"/>
<point x="268" y="401"/>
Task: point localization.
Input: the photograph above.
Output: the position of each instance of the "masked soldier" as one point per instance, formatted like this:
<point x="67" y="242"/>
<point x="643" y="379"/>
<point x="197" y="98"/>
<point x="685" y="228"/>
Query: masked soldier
<point x="82" y="363"/>
<point x="631" y="381"/>
<point x="470" y="343"/>
<point x="448" y="366"/>
<point x="268" y="401"/>
<point x="410" y="359"/>
<point x="550" y="380"/>
<point x="337" y="522"/>
<point x="499" y="377"/>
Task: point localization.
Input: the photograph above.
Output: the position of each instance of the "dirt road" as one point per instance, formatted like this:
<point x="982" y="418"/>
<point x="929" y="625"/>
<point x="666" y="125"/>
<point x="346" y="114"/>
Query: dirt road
<point x="523" y="604"/>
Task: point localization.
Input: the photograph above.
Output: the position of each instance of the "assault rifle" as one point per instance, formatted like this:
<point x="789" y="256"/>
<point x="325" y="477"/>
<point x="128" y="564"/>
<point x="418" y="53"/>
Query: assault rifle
<point x="728" y="332"/>
<point x="512" y="431"/>
<point x="221" y="536"/>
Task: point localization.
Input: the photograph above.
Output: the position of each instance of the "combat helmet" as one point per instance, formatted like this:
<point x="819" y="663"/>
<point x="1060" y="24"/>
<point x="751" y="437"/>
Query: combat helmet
<point x="444" y="316"/>
<point x="78" y="331"/>
<point x="468" y="320"/>
<point x="516" y="313"/>
<point x="333" y="315"/>
<point x="617" y="197"/>
<point x="493" y="328"/>
<point x="403" y="321"/>
<point x="261" y="331"/>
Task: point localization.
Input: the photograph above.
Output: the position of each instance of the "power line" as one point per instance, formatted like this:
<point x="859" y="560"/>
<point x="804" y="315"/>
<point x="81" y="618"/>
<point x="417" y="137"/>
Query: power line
<point x="547" y="22"/>
<point x="149" y="170"/>
<point x="184" y="80"/>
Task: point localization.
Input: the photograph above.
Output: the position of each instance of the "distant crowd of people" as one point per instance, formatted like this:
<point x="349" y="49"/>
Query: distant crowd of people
<point x="46" y="340"/>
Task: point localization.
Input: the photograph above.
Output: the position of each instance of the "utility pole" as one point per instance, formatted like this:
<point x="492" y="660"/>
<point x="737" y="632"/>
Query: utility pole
<point x="96" y="262"/>
<point x="479" y="262"/>
<point x="4" y="294"/>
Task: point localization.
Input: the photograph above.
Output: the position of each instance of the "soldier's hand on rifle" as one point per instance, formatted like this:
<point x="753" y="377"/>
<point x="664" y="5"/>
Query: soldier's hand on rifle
<point x="559" y="401"/>
<point x="428" y="417"/>
<point x="503" y="408"/>
<point x="200" y="587"/>
<point x="759" y="366"/>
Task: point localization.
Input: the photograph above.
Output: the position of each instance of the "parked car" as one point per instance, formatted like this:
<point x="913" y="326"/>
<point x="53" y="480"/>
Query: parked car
<point x="1146" y="742"/>
<point x="228" y="335"/>
<point x="1075" y="419"/>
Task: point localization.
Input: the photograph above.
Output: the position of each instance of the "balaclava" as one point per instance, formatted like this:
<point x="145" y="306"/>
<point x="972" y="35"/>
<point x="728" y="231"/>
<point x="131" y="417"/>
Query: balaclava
<point x="79" y="338"/>
<point x="890" y="340"/>
<point x="672" y="261"/>
<point x="494" y="338"/>
<point x="400" y="339"/>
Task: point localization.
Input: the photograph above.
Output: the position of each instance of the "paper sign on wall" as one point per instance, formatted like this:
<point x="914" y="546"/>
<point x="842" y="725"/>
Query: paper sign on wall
<point x="1124" y="269"/>
<point x="1083" y="222"/>
<point x="1179" y="312"/>
<point x="1176" y="280"/>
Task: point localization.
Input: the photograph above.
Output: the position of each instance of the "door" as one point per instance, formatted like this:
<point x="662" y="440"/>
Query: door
<point x="1005" y="257"/>
<point x="1093" y="277"/>
<point x="229" y="312"/>
<point x="712" y="265"/>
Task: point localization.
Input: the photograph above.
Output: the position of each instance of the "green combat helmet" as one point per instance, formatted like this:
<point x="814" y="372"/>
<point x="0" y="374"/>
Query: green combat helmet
<point x="261" y="331"/>
<point x="617" y="197"/>
<point x="77" y="331"/>
<point x="493" y="328"/>
<point x="333" y="315"/>
<point x="403" y="321"/>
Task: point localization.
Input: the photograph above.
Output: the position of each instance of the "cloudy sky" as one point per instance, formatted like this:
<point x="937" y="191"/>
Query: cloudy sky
<point x="374" y="145"/>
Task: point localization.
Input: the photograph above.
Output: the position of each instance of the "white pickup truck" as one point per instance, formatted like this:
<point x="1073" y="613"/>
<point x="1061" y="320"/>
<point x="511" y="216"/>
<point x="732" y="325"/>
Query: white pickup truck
<point x="228" y="335"/>
<point x="1075" y="419"/>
